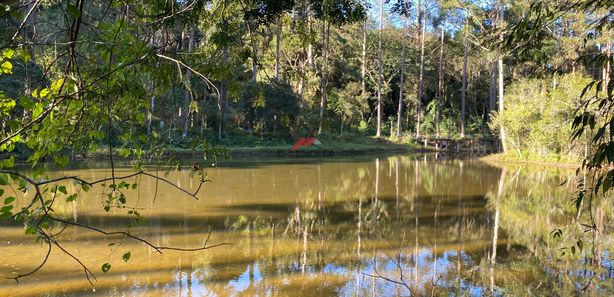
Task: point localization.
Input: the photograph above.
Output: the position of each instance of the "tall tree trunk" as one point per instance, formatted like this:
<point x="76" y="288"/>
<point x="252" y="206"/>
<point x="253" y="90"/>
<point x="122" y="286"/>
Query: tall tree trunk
<point x="379" y="71"/>
<point x="422" y="19"/>
<point x="606" y="68"/>
<point x="464" y="87"/>
<point x="277" y="46"/>
<point x="152" y="102"/>
<point x="324" y="82"/>
<point x="363" y="64"/>
<point x="310" y="32"/>
<point x="501" y="90"/>
<point x="252" y="34"/>
<point x="188" y="84"/>
<point x="402" y="82"/>
<point x="220" y="107"/>
<point x="441" y="77"/>
<point x="501" y="106"/>
<point x="492" y="100"/>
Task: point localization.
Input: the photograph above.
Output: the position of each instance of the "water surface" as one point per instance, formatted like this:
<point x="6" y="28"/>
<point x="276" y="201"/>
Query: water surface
<point x="365" y="226"/>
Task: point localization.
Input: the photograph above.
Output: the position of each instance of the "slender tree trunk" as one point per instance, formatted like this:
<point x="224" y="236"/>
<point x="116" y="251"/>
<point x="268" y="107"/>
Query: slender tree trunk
<point x="252" y="34"/>
<point x="607" y="68"/>
<point x="501" y="106"/>
<point x="277" y="46"/>
<point x="421" y="18"/>
<point x="152" y="102"/>
<point x="441" y="77"/>
<point x="464" y="88"/>
<point x="324" y="82"/>
<point x="309" y="45"/>
<point x="363" y="64"/>
<point x="492" y="100"/>
<point x="402" y="82"/>
<point x="188" y="83"/>
<point x="220" y="107"/>
<point x="301" y="82"/>
<point x="379" y="71"/>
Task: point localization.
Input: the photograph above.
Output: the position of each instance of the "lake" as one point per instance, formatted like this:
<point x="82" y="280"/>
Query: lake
<point x="354" y="226"/>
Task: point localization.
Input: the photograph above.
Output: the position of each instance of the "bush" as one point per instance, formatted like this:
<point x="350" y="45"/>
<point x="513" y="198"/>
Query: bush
<point x="537" y="117"/>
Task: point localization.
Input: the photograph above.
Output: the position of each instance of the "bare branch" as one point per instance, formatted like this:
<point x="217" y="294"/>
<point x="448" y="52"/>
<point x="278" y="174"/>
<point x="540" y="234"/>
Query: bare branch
<point x="16" y="278"/>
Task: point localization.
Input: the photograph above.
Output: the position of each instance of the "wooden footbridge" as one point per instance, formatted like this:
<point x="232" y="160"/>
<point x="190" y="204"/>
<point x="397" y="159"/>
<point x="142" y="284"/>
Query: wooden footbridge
<point x="480" y="145"/>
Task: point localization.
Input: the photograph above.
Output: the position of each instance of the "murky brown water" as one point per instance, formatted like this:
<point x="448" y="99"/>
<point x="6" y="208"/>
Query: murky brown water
<point x="323" y="228"/>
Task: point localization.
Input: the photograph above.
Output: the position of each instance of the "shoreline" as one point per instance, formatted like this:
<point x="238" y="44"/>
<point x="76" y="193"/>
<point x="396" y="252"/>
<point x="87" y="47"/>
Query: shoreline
<point x="500" y="159"/>
<point x="332" y="149"/>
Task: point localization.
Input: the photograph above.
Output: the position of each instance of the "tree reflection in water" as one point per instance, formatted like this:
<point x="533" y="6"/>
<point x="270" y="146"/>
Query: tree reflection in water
<point x="385" y="226"/>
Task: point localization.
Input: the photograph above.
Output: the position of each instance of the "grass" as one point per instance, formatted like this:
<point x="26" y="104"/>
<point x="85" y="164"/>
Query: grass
<point x="331" y="145"/>
<point x="552" y="160"/>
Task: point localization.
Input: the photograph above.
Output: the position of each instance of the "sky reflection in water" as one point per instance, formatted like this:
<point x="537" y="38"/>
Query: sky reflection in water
<point x="324" y="228"/>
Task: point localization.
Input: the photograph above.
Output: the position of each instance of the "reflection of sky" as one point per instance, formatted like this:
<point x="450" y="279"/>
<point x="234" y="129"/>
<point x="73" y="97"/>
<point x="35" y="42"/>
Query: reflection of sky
<point x="244" y="281"/>
<point x="442" y="245"/>
<point x="358" y="279"/>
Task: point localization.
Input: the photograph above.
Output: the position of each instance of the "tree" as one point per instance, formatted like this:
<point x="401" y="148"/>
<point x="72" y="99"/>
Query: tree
<point x="403" y="8"/>
<point x="379" y="71"/>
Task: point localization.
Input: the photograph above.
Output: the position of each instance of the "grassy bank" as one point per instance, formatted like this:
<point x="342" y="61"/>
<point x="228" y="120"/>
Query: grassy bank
<point x="554" y="161"/>
<point x="330" y="146"/>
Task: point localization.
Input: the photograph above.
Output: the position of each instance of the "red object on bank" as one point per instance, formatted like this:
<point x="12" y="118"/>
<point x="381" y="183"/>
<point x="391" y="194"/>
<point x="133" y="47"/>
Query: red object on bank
<point x="303" y="141"/>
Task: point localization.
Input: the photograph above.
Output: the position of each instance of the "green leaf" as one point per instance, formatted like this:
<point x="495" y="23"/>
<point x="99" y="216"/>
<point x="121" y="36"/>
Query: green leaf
<point x="6" y="208"/>
<point x="6" y="67"/>
<point x="25" y="55"/>
<point x="106" y="267"/>
<point x="1" y="192"/>
<point x="85" y="187"/>
<point x="8" y="53"/>
<point x="73" y="11"/>
<point x="71" y="198"/>
<point x="5" y="215"/>
<point x="4" y="179"/>
<point x="62" y="189"/>
<point x="123" y="185"/>
<point x="126" y="257"/>
<point x="8" y="200"/>
<point x="44" y="92"/>
<point x="8" y="163"/>
<point x="56" y="85"/>
<point x="30" y="230"/>
<point x="124" y="152"/>
<point x="61" y="161"/>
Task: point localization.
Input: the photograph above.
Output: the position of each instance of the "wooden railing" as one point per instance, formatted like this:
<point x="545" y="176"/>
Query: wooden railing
<point x="481" y="145"/>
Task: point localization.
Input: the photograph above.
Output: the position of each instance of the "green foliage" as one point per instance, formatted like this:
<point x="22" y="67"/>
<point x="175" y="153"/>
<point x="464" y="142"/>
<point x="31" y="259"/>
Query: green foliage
<point x="106" y="267"/>
<point x="537" y="118"/>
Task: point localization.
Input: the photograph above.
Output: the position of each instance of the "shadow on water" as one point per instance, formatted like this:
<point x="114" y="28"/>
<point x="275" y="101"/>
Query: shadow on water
<point x="433" y="227"/>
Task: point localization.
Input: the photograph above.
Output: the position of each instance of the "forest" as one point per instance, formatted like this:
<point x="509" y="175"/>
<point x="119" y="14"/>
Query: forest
<point x="245" y="72"/>
<point x="100" y="100"/>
